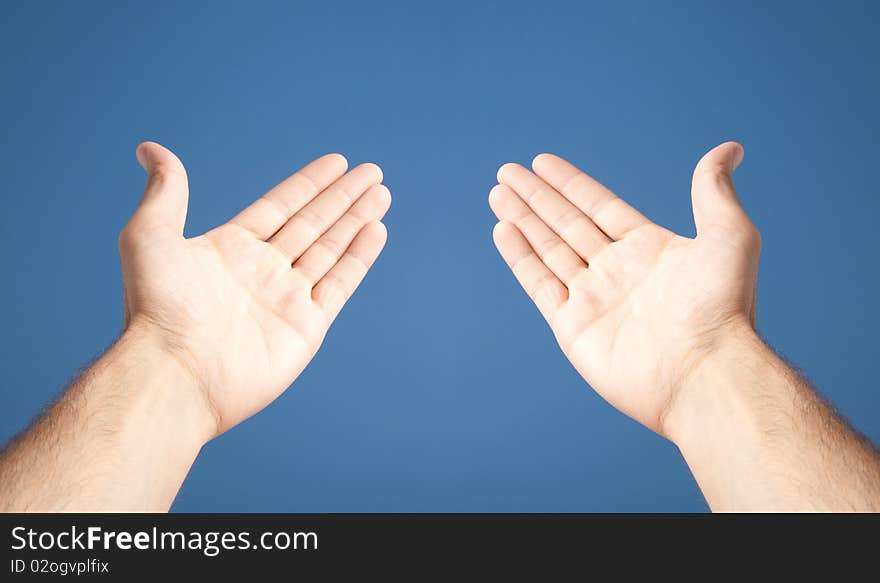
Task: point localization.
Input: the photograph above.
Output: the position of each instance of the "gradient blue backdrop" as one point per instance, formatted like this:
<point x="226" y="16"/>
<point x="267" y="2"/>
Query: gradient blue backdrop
<point x="439" y="388"/>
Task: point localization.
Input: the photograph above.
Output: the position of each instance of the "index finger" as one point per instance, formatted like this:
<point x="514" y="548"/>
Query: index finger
<point x="266" y="215"/>
<point x="610" y="213"/>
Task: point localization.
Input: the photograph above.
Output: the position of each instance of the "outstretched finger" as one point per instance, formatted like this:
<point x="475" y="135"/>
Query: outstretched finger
<point x="330" y="247"/>
<point x="610" y="213"/>
<point x="268" y="213"/>
<point x="342" y="280"/>
<point x="569" y="222"/>
<point x="545" y="289"/>
<point x="313" y="220"/>
<point x="550" y="249"/>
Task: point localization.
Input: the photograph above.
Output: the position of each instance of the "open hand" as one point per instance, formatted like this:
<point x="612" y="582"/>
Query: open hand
<point x="245" y="306"/>
<point x="634" y="306"/>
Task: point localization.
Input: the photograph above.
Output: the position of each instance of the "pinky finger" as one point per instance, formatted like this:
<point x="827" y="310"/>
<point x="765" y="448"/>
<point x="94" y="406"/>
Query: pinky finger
<point x="334" y="289"/>
<point x="542" y="285"/>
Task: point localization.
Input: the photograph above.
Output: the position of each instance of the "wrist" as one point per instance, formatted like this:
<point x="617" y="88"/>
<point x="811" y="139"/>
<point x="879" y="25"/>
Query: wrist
<point x="711" y="385"/>
<point x="727" y="419"/>
<point x="178" y="390"/>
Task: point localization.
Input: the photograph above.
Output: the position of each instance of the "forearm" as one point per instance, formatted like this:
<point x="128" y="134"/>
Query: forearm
<point x="122" y="437"/>
<point x="757" y="437"/>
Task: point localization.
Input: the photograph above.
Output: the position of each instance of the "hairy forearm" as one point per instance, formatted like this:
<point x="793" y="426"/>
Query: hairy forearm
<point x="758" y="438"/>
<point x="121" y="438"/>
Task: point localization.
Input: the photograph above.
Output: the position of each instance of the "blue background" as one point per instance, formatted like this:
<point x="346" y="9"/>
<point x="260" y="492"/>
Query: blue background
<point x="439" y="388"/>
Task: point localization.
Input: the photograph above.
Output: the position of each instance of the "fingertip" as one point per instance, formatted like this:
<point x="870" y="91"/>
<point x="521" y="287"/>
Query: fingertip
<point x="383" y="195"/>
<point x="495" y="195"/>
<point x="542" y="159"/>
<point x="728" y="155"/>
<point x="374" y="170"/>
<point x="720" y="161"/>
<point x="156" y="159"/>
<point x="738" y="154"/>
<point x="378" y="232"/>
<point x="147" y="145"/>
<point x="384" y="190"/>
<point x="337" y="159"/>
<point x="505" y="170"/>
<point x="145" y="154"/>
<point x="501" y="232"/>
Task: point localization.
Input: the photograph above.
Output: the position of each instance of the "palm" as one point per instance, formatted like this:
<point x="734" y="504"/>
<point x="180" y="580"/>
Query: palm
<point x="253" y="317"/>
<point x="254" y="296"/>
<point x="632" y="304"/>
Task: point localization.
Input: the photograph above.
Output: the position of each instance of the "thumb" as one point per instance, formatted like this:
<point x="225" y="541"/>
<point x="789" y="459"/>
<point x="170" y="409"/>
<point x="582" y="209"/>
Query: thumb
<point x="167" y="192"/>
<point x="712" y="193"/>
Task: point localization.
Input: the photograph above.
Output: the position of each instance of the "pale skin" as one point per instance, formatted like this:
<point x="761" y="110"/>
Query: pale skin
<point x="663" y="327"/>
<point x="216" y="327"/>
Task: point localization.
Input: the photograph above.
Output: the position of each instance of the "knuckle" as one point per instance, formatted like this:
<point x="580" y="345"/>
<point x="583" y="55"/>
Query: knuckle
<point x="550" y="249"/>
<point x="308" y="183"/>
<point x="576" y="225"/>
<point x="311" y="220"/>
<point x="331" y="245"/>
<point x="573" y="183"/>
<point x="332" y="289"/>
<point x="125" y="238"/>
<point x="744" y="234"/>
<point x="754" y="236"/>
<point x="568" y="217"/>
